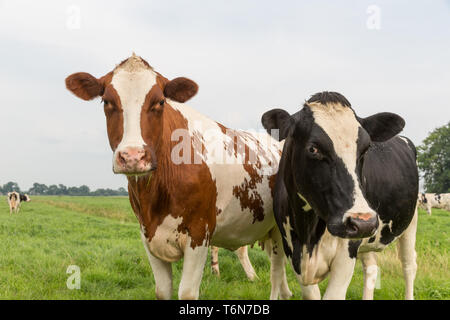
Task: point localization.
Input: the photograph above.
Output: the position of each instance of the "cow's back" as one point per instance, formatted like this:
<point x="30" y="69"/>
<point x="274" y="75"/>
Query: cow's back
<point x="243" y="166"/>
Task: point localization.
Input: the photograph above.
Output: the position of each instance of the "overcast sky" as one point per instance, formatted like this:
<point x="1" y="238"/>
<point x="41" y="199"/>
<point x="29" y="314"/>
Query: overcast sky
<point x="246" y="56"/>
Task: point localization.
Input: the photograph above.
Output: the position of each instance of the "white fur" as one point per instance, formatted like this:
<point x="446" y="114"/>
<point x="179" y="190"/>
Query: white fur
<point x="341" y="126"/>
<point x="132" y="86"/>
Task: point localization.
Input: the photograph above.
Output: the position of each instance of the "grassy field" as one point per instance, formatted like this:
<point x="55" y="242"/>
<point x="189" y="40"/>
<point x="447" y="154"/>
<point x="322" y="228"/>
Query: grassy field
<point x="101" y="236"/>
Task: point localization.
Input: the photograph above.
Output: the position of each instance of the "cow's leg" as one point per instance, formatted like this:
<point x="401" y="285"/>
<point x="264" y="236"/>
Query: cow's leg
<point x="242" y="254"/>
<point x="215" y="260"/>
<point x="429" y="208"/>
<point x="278" y="279"/>
<point x="407" y="254"/>
<point x="193" y="265"/>
<point x="370" y="270"/>
<point x="162" y="272"/>
<point x="341" y="272"/>
<point x="311" y="292"/>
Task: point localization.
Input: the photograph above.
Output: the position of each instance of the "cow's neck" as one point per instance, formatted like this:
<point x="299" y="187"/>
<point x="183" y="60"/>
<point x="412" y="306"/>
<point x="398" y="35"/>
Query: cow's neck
<point x="310" y="227"/>
<point x="152" y="195"/>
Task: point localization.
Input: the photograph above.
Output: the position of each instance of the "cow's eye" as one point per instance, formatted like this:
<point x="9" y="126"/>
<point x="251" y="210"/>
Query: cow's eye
<point x="106" y="103"/>
<point x="313" y="150"/>
<point x="161" y="103"/>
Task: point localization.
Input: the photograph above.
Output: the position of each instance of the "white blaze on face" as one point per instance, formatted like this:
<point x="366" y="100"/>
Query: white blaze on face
<point x="132" y="81"/>
<point x="340" y="124"/>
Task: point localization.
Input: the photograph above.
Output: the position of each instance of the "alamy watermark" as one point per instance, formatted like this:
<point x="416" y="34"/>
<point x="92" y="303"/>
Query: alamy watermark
<point x="214" y="146"/>
<point x="73" y="21"/>
<point x="74" y="280"/>
<point x="373" y="21"/>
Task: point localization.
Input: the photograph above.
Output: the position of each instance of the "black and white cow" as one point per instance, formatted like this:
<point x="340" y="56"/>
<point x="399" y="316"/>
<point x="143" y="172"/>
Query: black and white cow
<point x="15" y="199"/>
<point x="346" y="186"/>
<point x="427" y="201"/>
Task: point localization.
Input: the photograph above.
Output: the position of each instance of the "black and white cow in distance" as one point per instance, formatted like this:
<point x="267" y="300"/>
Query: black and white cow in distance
<point x="346" y="186"/>
<point x="427" y="201"/>
<point x="14" y="200"/>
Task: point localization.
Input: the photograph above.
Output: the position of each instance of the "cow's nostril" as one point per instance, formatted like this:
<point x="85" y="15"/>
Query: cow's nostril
<point x="122" y="156"/>
<point x="351" y="227"/>
<point x="357" y="227"/>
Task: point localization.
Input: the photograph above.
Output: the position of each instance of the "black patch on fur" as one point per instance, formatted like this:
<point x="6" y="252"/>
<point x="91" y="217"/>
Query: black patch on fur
<point x="424" y="198"/>
<point x="326" y="97"/>
<point x="371" y="239"/>
<point x="437" y="197"/>
<point x="353" y="248"/>
<point x="277" y="119"/>
<point x="13" y="196"/>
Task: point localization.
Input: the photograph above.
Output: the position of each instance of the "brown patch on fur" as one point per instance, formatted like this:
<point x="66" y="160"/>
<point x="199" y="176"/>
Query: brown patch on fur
<point x="180" y="89"/>
<point x="247" y="192"/>
<point x="114" y="116"/>
<point x="272" y="180"/>
<point x="84" y="85"/>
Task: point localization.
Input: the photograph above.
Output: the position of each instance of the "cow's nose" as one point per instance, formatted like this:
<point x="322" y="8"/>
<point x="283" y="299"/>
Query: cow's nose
<point x="361" y="225"/>
<point x="131" y="156"/>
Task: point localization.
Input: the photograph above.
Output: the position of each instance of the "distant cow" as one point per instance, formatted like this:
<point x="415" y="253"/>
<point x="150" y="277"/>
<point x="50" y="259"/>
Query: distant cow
<point x="190" y="181"/>
<point x="346" y="186"/>
<point x="15" y="199"/>
<point x="427" y="201"/>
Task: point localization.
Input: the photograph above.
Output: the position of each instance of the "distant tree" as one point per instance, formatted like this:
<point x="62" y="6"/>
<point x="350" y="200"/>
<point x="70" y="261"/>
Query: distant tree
<point x="84" y="190"/>
<point x="62" y="189"/>
<point x="10" y="186"/>
<point x="122" y="191"/>
<point x="53" y="190"/>
<point x="38" y="188"/>
<point x="434" y="160"/>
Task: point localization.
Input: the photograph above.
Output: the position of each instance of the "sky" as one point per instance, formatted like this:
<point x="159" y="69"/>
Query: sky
<point x="246" y="56"/>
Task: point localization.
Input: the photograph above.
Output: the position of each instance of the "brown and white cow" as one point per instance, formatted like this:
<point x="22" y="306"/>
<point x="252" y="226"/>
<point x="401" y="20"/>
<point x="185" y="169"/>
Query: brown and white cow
<point x="190" y="179"/>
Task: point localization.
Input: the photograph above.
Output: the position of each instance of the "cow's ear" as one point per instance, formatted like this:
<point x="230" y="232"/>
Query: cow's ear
<point x="84" y="85"/>
<point x="180" y="89"/>
<point x="383" y="126"/>
<point x="277" y="119"/>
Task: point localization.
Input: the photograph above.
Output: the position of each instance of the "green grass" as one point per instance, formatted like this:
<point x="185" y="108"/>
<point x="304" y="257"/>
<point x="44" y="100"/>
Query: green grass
<point x="101" y="236"/>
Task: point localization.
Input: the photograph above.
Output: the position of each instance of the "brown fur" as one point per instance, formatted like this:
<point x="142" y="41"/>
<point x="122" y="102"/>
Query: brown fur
<point x="180" y="89"/>
<point x="166" y="192"/>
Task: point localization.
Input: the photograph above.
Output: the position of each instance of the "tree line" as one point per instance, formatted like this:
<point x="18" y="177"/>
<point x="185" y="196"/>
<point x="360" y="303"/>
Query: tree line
<point x="434" y="160"/>
<point x="61" y="190"/>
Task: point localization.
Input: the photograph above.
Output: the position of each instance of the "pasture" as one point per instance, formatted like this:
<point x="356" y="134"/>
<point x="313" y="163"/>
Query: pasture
<point x="101" y="236"/>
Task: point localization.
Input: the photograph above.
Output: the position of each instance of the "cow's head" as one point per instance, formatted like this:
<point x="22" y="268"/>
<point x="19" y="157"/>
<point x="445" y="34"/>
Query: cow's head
<point x="134" y="97"/>
<point x="422" y="198"/>
<point x="326" y="145"/>
<point x="12" y="195"/>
